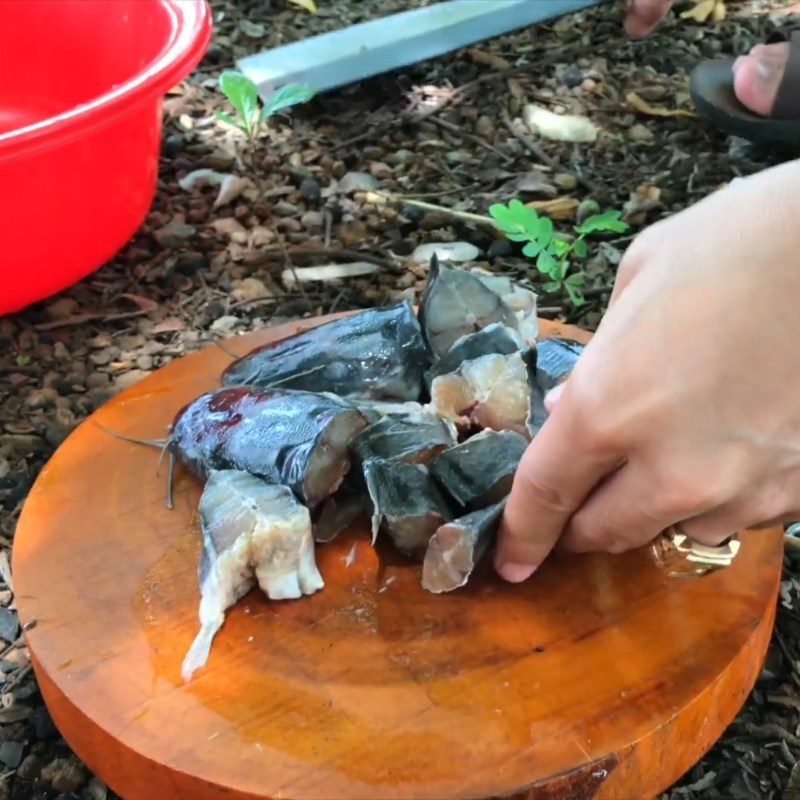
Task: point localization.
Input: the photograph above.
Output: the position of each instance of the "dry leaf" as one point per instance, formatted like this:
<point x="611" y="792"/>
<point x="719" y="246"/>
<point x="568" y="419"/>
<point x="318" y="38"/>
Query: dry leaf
<point x="643" y="107"/>
<point x="308" y="5"/>
<point x="144" y="303"/>
<point x="705" y="10"/>
<point x="489" y="59"/>
<point x="560" y="127"/>
<point x="169" y="325"/>
<point x="560" y="208"/>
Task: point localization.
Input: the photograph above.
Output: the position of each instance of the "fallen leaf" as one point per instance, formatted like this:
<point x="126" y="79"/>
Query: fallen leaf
<point x="489" y="59"/>
<point x="560" y="208"/>
<point x="144" y="303"/>
<point x="308" y="5"/>
<point x="230" y="186"/>
<point x="515" y="87"/>
<point x="169" y="325"/>
<point x="643" y="107"/>
<point x="560" y="127"/>
<point x="705" y="10"/>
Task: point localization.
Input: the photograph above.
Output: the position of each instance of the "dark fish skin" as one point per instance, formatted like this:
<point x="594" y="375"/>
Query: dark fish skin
<point x="555" y="359"/>
<point x="495" y="338"/>
<point x="413" y="441"/>
<point x="377" y="354"/>
<point x="480" y="471"/>
<point x="297" y="439"/>
<point x="549" y="363"/>
<point x="457" y="548"/>
<point x="407" y="504"/>
<point x="341" y="509"/>
<point x="456" y="303"/>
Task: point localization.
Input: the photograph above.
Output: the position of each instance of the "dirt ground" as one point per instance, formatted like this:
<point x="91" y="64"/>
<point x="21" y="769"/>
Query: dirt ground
<point x="446" y="133"/>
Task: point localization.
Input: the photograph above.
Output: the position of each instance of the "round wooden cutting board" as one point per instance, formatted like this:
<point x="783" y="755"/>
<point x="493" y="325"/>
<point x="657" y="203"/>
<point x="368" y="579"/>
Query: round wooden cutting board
<point x="601" y="677"/>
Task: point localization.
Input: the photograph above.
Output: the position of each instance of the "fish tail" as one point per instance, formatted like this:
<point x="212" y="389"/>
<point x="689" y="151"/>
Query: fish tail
<point x="197" y="656"/>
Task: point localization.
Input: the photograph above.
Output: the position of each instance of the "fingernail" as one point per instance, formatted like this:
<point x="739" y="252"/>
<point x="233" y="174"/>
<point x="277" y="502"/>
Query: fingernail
<point x="516" y="573"/>
<point x="551" y="398"/>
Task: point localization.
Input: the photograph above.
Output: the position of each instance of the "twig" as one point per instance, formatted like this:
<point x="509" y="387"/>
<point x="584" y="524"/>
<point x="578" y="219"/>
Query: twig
<point x="466" y="216"/>
<point x="443" y="193"/>
<point x="277" y="254"/>
<point x="534" y="149"/>
<point x="448" y="126"/>
<point x="328" y="226"/>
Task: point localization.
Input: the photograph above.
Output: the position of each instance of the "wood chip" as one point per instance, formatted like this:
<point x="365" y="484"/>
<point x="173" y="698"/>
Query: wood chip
<point x="327" y="272"/>
<point x="560" y="208"/>
<point x="489" y="59"/>
<point x="560" y="127"/>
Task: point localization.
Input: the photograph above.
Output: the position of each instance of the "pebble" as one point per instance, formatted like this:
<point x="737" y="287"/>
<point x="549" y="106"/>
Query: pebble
<point x="352" y="232"/>
<point x="63" y="308"/>
<point x="225" y="325"/>
<point x="285" y="208"/>
<point x="227" y="226"/>
<point x="173" y="234"/>
<point x="380" y="170"/>
<point x="5" y="467"/>
<point x="357" y="182"/>
<point x="102" y="357"/>
<point x="95" y="790"/>
<point x="30" y="768"/>
<point x="289" y="224"/>
<point x="499" y="248"/>
<point x="250" y="289"/>
<point x="400" y="157"/>
<point x="433" y="220"/>
<point x="190" y="262"/>
<point x="565" y="181"/>
<point x="313" y="220"/>
<point x="485" y="127"/>
<point x="573" y="77"/>
<point x="129" y="378"/>
<point x="9" y="625"/>
<point x="98" y="380"/>
<point x="64" y="775"/>
<point x="41" y="398"/>
<point x="454" y="252"/>
<point x="145" y="363"/>
<point x="11" y="754"/>
<point x="173" y="144"/>
<point x="60" y="351"/>
<point x="586" y="209"/>
<point x="260" y="236"/>
<point x="310" y="190"/>
<point x="56" y="432"/>
<point x="405" y="281"/>
<point x="641" y="133"/>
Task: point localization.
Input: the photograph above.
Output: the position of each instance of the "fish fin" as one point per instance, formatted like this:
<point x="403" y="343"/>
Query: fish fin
<point x="161" y="444"/>
<point x="198" y="653"/>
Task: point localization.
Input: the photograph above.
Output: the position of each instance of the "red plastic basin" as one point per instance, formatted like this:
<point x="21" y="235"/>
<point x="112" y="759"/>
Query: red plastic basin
<point x="81" y="89"/>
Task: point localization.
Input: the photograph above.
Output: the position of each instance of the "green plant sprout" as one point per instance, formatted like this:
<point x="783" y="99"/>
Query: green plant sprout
<point x="552" y="252"/>
<point x="242" y="94"/>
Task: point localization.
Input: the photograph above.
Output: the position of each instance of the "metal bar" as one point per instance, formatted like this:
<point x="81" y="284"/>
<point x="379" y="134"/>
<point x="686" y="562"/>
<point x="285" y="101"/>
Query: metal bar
<point x="370" y="48"/>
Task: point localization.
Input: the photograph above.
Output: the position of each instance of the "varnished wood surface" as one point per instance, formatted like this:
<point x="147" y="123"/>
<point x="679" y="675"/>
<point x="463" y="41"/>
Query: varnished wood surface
<point x="599" y="678"/>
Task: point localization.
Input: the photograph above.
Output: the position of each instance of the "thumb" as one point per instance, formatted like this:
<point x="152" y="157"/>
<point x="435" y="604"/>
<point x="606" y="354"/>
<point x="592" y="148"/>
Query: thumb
<point x="558" y="471"/>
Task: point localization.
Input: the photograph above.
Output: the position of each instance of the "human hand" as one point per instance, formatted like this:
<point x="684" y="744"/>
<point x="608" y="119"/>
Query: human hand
<point x="684" y="407"/>
<point x="642" y="17"/>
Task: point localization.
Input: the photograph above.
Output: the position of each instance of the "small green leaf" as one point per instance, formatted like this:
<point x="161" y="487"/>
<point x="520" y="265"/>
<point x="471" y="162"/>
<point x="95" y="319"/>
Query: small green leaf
<point x="532" y="249"/>
<point x="563" y="268"/>
<point x="574" y="295"/>
<point x="242" y="94"/>
<point x="545" y="263"/>
<point x="608" y="221"/>
<point x="559" y="247"/>
<point x="552" y="286"/>
<point x="545" y="231"/>
<point x="579" y="248"/>
<point x="287" y="96"/>
<point x="517" y="221"/>
<point x="576" y="279"/>
<point x="228" y="119"/>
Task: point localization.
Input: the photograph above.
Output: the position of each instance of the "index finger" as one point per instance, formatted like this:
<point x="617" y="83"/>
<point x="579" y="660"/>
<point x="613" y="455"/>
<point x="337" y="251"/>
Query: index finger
<point x="558" y="471"/>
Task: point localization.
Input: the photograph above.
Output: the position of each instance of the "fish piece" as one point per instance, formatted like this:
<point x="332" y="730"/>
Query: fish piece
<point x="376" y="410"/>
<point x="480" y="471"/>
<point x="407" y="504"/>
<point x="341" y="509"/>
<point x="415" y="441"/>
<point x="456" y="303"/>
<point x="295" y="438"/>
<point x="492" y="391"/>
<point x="376" y="354"/>
<point x="457" y="547"/>
<point x="494" y="338"/>
<point x="252" y="532"/>
<point x="554" y="361"/>
<point x="522" y="301"/>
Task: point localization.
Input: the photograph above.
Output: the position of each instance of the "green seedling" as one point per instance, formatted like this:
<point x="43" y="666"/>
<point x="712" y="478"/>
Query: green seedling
<point x="553" y="253"/>
<point x="250" y="115"/>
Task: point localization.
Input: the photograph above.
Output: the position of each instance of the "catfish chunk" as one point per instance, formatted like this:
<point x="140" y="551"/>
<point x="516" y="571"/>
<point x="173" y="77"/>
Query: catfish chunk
<point x="480" y="471"/>
<point x="457" y="547"/>
<point x="415" y="441"/>
<point x="298" y="439"/>
<point x="378" y="354"/>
